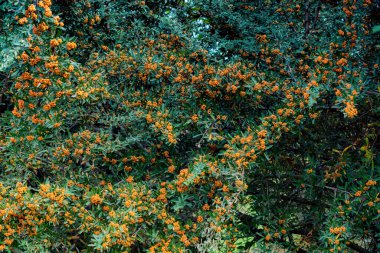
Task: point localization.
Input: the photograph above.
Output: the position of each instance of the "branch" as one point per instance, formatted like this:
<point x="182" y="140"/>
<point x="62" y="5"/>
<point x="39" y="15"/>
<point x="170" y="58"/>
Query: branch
<point x="358" y="248"/>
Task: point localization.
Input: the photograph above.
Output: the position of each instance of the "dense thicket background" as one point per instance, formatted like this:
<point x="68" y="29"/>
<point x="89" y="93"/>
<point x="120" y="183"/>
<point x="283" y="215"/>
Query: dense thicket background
<point x="189" y="126"/>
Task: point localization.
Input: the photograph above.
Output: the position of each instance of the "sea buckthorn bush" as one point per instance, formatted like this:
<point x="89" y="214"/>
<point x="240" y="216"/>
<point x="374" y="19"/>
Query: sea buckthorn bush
<point x="189" y="126"/>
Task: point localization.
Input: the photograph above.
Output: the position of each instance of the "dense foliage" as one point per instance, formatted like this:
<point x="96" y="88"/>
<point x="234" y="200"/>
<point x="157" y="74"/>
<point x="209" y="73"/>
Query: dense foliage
<point x="189" y="126"/>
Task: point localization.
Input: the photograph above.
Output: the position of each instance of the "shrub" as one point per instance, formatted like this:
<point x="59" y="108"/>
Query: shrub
<point x="189" y="126"/>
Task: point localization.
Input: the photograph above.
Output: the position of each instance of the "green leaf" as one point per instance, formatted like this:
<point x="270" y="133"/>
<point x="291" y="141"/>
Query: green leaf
<point x="376" y="29"/>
